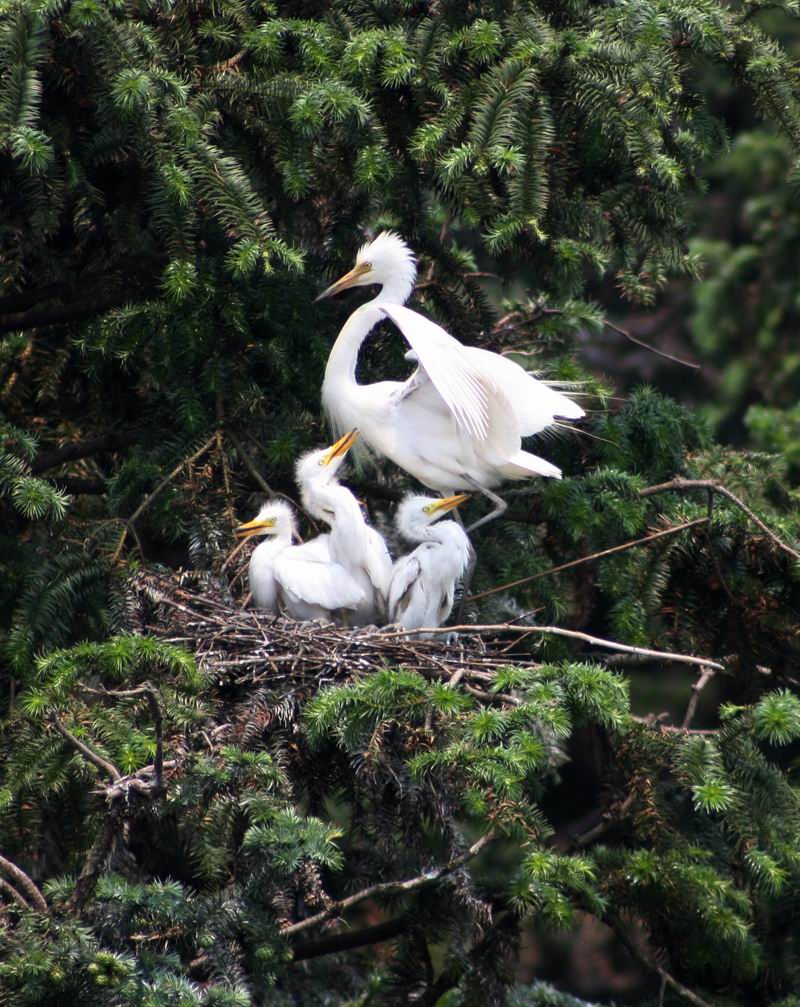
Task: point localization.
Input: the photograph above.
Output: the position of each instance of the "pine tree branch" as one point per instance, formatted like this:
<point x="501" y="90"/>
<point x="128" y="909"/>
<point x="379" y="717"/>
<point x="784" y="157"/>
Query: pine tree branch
<point x="89" y="754"/>
<point x="84" y="449"/>
<point x="25" y="299"/>
<point x="390" y="888"/>
<point x="25" y="883"/>
<point x="590" y="559"/>
<point x="686" y="485"/>
<point x="350" y="940"/>
<point x="597" y="641"/>
<point x="637" y="952"/>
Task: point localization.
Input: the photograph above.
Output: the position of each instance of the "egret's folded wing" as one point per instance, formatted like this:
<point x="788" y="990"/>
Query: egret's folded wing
<point x="462" y="384"/>
<point x="536" y="404"/>
<point x="318" y="548"/>
<point x="316" y="583"/>
<point x="405" y="574"/>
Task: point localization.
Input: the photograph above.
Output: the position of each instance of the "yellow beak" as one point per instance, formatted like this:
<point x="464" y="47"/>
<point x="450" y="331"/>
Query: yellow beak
<point x="348" y="280"/>
<point x="341" y="447"/>
<point x="254" y="527"/>
<point x="449" y="503"/>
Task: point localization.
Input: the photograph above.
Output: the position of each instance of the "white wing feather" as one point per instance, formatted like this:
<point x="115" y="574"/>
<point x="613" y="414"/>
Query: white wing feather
<point x="535" y="403"/>
<point x="307" y="579"/>
<point x="405" y="574"/>
<point x="478" y="403"/>
<point x="462" y="384"/>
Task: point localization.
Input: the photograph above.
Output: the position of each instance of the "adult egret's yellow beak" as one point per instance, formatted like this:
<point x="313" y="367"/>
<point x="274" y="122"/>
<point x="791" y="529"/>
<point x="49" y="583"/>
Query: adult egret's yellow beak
<point x="254" y="527"/>
<point x="449" y="503"/>
<point x="348" y="280"/>
<point x="340" y="448"/>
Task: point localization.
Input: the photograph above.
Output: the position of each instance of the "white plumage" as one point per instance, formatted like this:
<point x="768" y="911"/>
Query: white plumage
<point x="457" y="422"/>
<point x="351" y="543"/>
<point x="300" y="581"/>
<point x="422" y="585"/>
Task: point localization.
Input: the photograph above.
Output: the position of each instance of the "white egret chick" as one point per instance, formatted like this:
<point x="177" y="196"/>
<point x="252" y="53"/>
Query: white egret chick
<point x="352" y="543"/>
<point x="457" y="422"/>
<point x="423" y="583"/>
<point x="300" y="581"/>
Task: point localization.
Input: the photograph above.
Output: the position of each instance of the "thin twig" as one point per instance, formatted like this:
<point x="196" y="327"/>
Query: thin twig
<point x="653" y="349"/>
<point x="390" y="888"/>
<point x="89" y="754"/>
<point x="610" y="818"/>
<point x="157" y="491"/>
<point x="590" y="559"/>
<point x="26" y="883"/>
<point x="632" y="944"/>
<point x="706" y="674"/>
<point x="685" y="485"/>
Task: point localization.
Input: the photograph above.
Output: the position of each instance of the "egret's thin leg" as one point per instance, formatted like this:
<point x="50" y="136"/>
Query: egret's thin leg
<point x="500" y="506"/>
<point x="466" y="582"/>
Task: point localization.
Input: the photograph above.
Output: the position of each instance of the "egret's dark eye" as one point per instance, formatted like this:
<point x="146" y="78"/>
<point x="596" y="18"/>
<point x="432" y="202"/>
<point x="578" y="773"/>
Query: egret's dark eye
<point x="427" y="509"/>
<point x="321" y="461"/>
<point x="367" y="265"/>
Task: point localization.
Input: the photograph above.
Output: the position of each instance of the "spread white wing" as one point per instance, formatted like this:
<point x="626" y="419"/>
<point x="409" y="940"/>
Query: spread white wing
<point x="477" y="402"/>
<point x="315" y="582"/>
<point x="464" y="387"/>
<point x="535" y="403"/>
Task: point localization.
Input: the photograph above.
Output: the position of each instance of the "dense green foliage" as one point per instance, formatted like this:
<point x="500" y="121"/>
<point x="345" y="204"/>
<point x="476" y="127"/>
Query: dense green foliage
<point x="178" y="180"/>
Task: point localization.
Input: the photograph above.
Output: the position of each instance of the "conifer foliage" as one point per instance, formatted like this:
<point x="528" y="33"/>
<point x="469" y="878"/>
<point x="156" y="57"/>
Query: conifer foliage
<point x="201" y="808"/>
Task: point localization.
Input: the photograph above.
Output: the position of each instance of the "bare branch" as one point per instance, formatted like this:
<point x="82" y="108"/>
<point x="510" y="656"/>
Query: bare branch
<point x="573" y="634"/>
<point x="390" y="888"/>
<point x="349" y="940"/>
<point x="653" y="349"/>
<point x="685" y="485"/>
<point x="637" y="952"/>
<point x="89" y="754"/>
<point x="706" y="674"/>
<point x="25" y="883"/>
<point x="590" y="559"/>
<point x="95" y="858"/>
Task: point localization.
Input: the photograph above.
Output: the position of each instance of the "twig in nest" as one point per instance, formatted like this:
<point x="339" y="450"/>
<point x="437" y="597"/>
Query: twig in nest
<point x="573" y="634"/>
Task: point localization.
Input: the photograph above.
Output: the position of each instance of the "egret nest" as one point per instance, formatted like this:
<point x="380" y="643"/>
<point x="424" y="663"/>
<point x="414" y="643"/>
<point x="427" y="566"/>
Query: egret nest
<point x="247" y="647"/>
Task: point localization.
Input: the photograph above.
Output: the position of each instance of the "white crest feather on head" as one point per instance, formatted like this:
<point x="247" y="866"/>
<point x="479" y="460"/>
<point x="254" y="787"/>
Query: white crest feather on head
<point x="388" y="253"/>
<point x="411" y="514"/>
<point x="280" y="510"/>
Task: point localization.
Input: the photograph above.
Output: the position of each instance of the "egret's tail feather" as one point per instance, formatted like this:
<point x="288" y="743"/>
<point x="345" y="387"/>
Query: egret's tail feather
<point x="524" y="464"/>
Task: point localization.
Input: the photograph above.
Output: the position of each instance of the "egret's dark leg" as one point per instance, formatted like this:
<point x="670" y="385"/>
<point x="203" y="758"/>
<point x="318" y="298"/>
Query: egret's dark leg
<point x="469" y="573"/>
<point x="500" y="506"/>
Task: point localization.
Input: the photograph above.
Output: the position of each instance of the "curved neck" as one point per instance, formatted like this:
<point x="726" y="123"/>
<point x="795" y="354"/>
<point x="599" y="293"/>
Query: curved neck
<point x="343" y="357"/>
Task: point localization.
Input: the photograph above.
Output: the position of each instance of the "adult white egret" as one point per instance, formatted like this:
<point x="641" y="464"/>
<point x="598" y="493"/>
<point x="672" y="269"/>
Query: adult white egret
<point x="423" y="583"/>
<point x="352" y="543"/>
<point x="300" y="581"/>
<point x="457" y="422"/>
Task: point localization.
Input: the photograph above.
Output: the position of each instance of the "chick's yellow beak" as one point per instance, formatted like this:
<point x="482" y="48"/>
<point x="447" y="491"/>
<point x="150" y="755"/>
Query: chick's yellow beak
<point x="348" y="280"/>
<point x="340" y="448"/>
<point x="449" y="503"/>
<point x="254" y="527"/>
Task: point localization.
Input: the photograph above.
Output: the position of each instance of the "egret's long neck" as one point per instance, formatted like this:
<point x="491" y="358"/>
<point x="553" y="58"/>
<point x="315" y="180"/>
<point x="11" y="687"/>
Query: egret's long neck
<point x="341" y="369"/>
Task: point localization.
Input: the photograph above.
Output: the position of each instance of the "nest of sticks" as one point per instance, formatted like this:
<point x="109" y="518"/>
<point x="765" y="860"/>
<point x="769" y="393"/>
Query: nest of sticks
<point x="250" y="647"/>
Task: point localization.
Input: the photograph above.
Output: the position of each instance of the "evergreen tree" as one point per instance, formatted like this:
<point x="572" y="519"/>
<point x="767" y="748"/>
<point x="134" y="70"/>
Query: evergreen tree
<point x="190" y="800"/>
